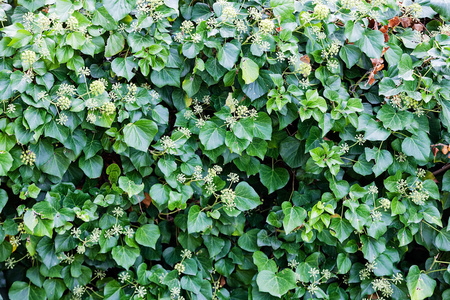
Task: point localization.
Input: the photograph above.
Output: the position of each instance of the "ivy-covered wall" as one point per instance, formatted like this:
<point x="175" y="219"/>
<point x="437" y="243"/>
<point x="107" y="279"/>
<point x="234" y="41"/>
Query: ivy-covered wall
<point x="164" y="149"/>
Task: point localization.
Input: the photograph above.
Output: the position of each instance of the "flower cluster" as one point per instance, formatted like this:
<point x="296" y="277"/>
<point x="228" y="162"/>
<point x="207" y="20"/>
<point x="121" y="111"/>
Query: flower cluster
<point x="228" y="196"/>
<point x="28" y="57"/>
<point x="197" y="110"/>
<point x="187" y="33"/>
<point x="108" y="108"/>
<point x="238" y="112"/>
<point x="180" y="268"/>
<point x="266" y="26"/>
<point x="63" y="102"/>
<point x="414" y="10"/>
<point x="149" y="8"/>
<point x="415" y="192"/>
<point x="384" y="286"/>
<point x="28" y="157"/>
<point x="300" y="66"/>
<point x="97" y="87"/>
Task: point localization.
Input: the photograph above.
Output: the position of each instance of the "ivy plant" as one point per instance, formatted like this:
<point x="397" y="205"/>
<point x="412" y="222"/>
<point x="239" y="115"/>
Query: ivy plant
<point x="231" y="149"/>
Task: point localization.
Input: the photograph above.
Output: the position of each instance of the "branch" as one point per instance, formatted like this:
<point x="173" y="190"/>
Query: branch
<point x="441" y="170"/>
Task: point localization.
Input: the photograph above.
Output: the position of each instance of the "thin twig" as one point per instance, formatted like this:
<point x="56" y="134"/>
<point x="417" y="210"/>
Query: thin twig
<point x="441" y="170"/>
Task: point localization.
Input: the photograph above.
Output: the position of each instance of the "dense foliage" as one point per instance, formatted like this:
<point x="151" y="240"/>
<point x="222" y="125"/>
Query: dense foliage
<point x="165" y="149"/>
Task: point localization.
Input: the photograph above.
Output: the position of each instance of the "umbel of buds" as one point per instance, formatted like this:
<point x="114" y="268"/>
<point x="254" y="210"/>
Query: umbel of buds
<point x="28" y="157"/>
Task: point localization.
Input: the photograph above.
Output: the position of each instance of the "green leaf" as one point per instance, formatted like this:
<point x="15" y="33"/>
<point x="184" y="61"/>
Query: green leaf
<point x="446" y="181"/>
<point x="212" y="136"/>
<point x="420" y="285"/>
<point x="235" y="144"/>
<point x="350" y="54"/>
<point x="432" y="215"/>
<point x="392" y="119"/>
<point x="43" y="228"/>
<point x="125" y="256"/>
<point x="444" y="116"/>
<point x="7" y="141"/>
<point x="31" y="5"/>
<point x="191" y="85"/>
<point x="343" y="263"/>
<point x="258" y="148"/>
<point x="363" y="167"/>
<point x="63" y="7"/>
<point x="263" y="262"/>
<point x="3" y="199"/>
<point x="75" y="40"/>
<point x="215" y="69"/>
<point x="418" y="146"/>
<point x="250" y="70"/>
<point x="30" y="220"/>
<point x="46" y="250"/>
<point x="115" y="44"/>
<point x="57" y="164"/>
<point x="21" y="39"/>
<point x="76" y="141"/>
<point x="283" y="8"/>
<point x="246" y="197"/>
<point x="35" y="117"/>
<point x="191" y="49"/>
<point x="167" y="165"/>
<point x="54" y="288"/>
<point x="243" y="128"/>
<point x="342" y="228"/>
<point x="160" y="194"/>
<point x="138" y="41"/>
<point x="25" y="291"/>
<point x="442" y="240"/>
<point x="249" y="240"/>
<point x="176" y="201"/>
<point x="113" y="291"/>
<point x="293" y="217"/>
<point x="293" y="152"/>
<point x="397" y="207"/>
<point x="198" y="221"/>
<point x="442" y="7"/>
<point x="91" y="148"/>
<point x="92" y="167"/>
<point x="354" y="32"/>
<point x="147" y="235"/>
<point x="228" y="54"/>
<point x="5" y="249"/>
<point x="64" y="54"/>
<point x="371" y="43"/>
<point x="140" y="134"/>
<point x="259" y="87"/>
<point x="6" y="162"/>
<point x="340" y="188"/>
<point x="404" y="237"/>
<point x="375" y="131"/>
<point x="56" y="131"/>
<point x="383" y="159"/>
<point x="118" y="9"/>
<point x="405" y="67"/>
<point x="166" y="76"/>
<point x="213" y="244"/>
<point x="276" y="284"/>
<point x="263" y="127"/>
<point x="129" y="187"/>
<point x="102" y="18"/>
<point x="273" y="179"/>
<point x="124" y="67"/>
<point x="372" y="248"/>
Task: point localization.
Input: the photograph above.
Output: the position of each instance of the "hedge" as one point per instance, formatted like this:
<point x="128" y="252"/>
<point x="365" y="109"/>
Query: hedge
<point x="164" y="149"/>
